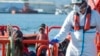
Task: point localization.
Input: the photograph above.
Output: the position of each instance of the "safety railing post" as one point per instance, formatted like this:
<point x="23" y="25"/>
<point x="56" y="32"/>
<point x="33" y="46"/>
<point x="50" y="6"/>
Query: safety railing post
<point x="47" y="31"/>
<point x="55" y="49"/>
<point x="3" y="49"/>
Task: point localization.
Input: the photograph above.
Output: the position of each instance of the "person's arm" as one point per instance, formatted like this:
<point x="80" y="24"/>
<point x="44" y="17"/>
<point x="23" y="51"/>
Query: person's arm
<point x="65" y="29"/>
<point x="97" y="16"/>
<point x="97" y="39"/>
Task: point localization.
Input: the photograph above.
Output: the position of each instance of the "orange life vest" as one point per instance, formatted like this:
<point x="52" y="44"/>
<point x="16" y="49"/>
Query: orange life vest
<point x="87" y="21"/>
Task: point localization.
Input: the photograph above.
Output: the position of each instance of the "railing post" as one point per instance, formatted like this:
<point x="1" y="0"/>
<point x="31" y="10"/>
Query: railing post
<point x="3" y="49"/>
<point x="55" y="49"/>
<point x="47" y="31"/>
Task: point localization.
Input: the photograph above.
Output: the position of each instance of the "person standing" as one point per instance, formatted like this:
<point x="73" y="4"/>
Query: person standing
<point x="82" y="23"/>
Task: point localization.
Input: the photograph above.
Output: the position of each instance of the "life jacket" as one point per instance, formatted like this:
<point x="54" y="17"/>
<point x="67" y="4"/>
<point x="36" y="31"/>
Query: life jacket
<point x="87" y="20"/>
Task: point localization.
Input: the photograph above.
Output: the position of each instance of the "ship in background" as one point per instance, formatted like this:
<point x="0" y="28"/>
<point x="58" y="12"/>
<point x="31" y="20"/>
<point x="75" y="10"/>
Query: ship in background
<point x="27" y="6"/>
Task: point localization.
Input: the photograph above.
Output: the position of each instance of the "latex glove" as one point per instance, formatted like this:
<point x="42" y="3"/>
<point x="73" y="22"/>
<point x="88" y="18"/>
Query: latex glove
<point x="54" y="41"/>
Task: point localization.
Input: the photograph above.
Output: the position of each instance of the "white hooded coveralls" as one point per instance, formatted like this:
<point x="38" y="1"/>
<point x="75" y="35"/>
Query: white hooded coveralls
<point x="75" y="45"/>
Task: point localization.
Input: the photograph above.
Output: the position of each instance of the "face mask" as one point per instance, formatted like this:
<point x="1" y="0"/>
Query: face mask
<point x="83" y="9"/>
<point x="76" y="8"/>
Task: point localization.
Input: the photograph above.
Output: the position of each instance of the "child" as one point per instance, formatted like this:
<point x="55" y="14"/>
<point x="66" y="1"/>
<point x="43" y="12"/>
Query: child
<point x="41" y="36"/>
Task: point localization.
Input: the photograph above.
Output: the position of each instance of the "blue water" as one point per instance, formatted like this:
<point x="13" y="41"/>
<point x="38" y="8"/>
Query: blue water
<point x="29" y="23"/>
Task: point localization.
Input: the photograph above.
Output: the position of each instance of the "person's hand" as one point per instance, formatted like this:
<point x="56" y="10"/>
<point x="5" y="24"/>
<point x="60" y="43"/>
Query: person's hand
<point x="54" y="41"/>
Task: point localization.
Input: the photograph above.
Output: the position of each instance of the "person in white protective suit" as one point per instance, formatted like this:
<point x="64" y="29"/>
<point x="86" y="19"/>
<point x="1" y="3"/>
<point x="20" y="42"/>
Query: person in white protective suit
<point x="82" y="23"/>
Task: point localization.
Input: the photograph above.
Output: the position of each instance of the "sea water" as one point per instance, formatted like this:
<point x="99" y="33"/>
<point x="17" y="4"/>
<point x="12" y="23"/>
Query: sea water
<point x="30" y="23"/>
